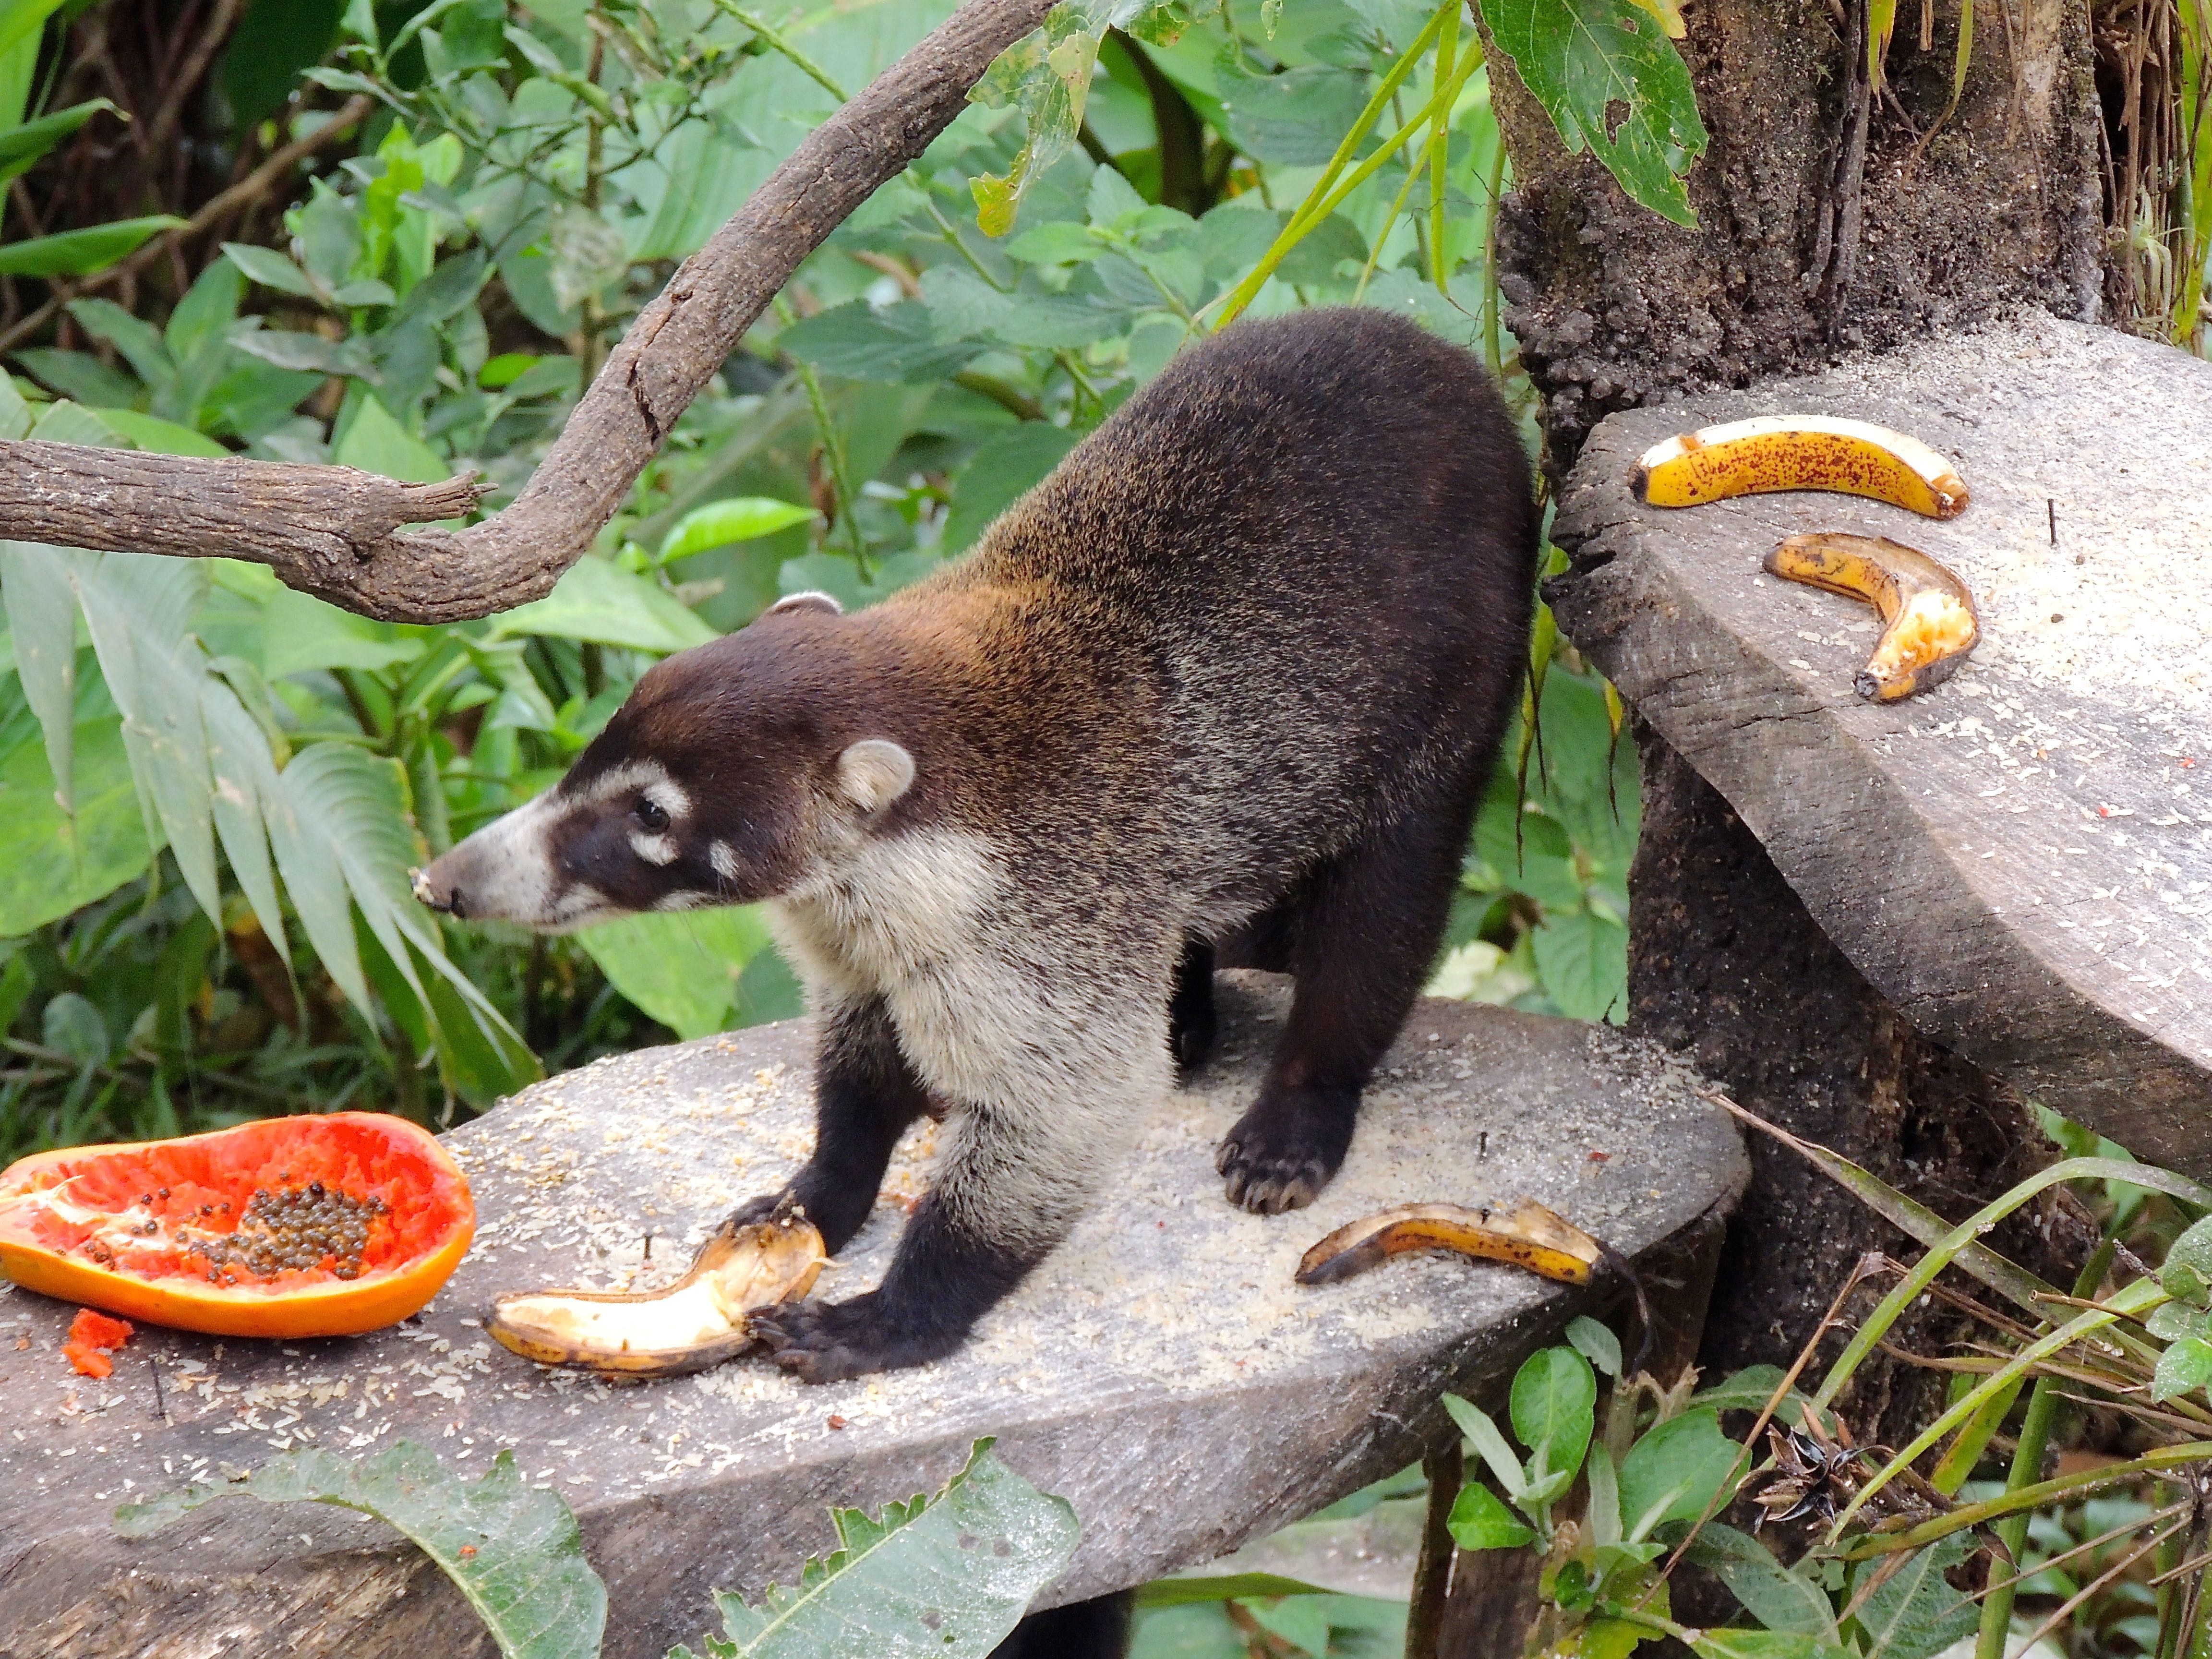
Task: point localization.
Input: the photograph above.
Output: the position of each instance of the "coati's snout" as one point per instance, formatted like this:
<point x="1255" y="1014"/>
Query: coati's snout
<point x="717" y="782"/>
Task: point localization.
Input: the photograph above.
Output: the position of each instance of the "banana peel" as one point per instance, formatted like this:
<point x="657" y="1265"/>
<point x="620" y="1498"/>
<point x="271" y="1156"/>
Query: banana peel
<point x="702" y="1320"/>
<point x="1930" y="621"/>
<point x="1800" y="451"/>
<point x="1528" y="1235"/>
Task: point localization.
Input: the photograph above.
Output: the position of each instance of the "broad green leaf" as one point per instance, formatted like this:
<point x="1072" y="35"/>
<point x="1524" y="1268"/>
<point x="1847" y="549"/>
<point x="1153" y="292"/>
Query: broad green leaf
<point x="1779" y="1599"/>
<point x="139" y="341"/>
<point x="598" y="601"/>
<point x="1004" y="465"/>
<point x="1915" y="1614"/>
<point x="1602" y="1638"/>
<point x="65" y="422"/>
<point x="21" y="145"/>
<point x="14" y="412"/>
<point x="682" y="967"/>
<point x="42" y="624"/>
<point x="2184" y="1365"/>
<point x="301" y="634"/>
<point x="1672" y="1472"/>
<point x="1482" y="1434"/>
<point x="81" y="376"/>
<point x="81" y="252"/>
<point x="945" y="1576"/>
<point x="741" y="519"/>
<point x="307" y="860"/>
<point x="1760" y="1644"/>
<point x="2170" y="1322"/>
<point x="1582" y="57"/>
<point x="1583" y="959"/>
<point x="376" y="443"/>
<point x="50" y="864"/>
<point x="1480" y="1520"/>
<point x="270" y="268"/>
<point x="20" y="20"/>
<point x="1749" y="1390"/>
<point x="139" y="608"/>
<point x="245" y="778"/>
<point x="2187" y="1269"/>
<point x="303" y="352"/>
<point x="1554" y="1394"/>
<point x="161" y="437"/>
<point x="1300" y="1620"/>
<point x="895" y="346"/>
<point x="513" y="1550"/>
<point x="1595" y="1343"/>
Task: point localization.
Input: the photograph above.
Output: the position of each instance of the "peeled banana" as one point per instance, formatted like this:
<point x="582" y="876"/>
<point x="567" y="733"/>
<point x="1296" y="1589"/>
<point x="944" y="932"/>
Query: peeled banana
<point x="1799" y="452"/>
<point x="1529" y="1237"/>
<point x="701" y="1320"/>
<point x="1931" y="624"/>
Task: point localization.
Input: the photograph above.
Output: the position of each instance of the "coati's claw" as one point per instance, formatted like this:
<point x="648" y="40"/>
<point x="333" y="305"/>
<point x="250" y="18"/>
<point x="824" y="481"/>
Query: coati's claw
<point x="1281" y="1153"/>
<point x="830" y="1341"/>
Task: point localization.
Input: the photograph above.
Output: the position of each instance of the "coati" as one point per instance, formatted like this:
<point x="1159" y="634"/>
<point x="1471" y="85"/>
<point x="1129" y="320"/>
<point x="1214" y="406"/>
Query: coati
<point x="1226" y="685"/>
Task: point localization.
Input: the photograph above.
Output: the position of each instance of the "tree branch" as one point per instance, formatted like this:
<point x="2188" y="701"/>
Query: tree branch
<point x="318" y="527"/>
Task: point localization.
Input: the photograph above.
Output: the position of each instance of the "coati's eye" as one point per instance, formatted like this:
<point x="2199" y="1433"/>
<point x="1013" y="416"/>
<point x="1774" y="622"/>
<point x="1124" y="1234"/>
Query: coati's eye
<point x="651" y="814"/>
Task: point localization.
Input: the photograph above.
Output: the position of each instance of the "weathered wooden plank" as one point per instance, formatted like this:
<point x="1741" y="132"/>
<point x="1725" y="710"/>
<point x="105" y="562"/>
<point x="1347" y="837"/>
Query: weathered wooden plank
<point x="1161" y="1370"/>
<point x="2020" y="860"/>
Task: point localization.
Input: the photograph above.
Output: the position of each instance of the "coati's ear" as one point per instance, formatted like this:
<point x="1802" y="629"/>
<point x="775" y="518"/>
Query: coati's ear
<point x="811" y="599"/>
<point x="873" y="773"/>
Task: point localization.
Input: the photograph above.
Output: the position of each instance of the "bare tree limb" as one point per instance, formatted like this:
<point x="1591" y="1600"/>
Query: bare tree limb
<point x="317" y="528"/>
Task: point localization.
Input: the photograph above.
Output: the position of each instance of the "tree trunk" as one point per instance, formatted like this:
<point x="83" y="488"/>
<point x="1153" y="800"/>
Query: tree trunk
<point x="1831" y="215"/>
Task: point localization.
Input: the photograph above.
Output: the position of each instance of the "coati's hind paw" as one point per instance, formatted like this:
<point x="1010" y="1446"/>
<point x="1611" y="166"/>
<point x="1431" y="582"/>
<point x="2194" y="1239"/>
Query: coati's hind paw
<point x="829" y="1341"/>
<point x="1280" y="1154"/>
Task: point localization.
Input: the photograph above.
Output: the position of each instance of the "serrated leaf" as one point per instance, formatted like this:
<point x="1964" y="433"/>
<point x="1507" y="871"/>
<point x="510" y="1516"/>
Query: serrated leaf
<point x="946" y="1576"/>
<point x="1779" y="1599"/>
<point x="1480" y="1520"/>
<point x="1583" y="959"/>
<point x="898" y="345"/>
<point x="1581" y="59"/>
<point x="514" y="1551"/>
<point x="1915" y="1614"/>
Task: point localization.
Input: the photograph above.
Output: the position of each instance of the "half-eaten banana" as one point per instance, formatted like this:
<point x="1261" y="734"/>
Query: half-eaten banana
<point x="701" y="1320"/>
<point x="1930" y="623"/>
<point x="1528" y="1235"/>
<point x="1799" y="452"/>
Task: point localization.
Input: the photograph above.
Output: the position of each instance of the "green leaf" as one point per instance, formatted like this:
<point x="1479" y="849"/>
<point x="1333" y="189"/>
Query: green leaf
<point x="1058" y="242"/>
<point x="1581" y="58"/>
<point x="14" y="412"/>
<point x="376" y="443"/>
<point x="1004" y="465"/>
<point x="81" y="252"/>
<point x="1760" y="1644"/>
<point x="1604" y="1508"/>
<point x="2170" y="1322"/>
<point x="1046" y="73"/>
<point x="81" y="375"/>
<point x="1749" y="1390"/>
<point x="270" y="268"/>
<point x="160" y="437"/>
<point x="1554" y="1395"/>
<point x="2184" y="1365"/>
<point x="137" y="340"/>
<point x="681" y="967"/>
<point x="741" y="519"/>
<point x="598" y="601"/>
<point x="1482" y="1434"/>
<point x="1603" y="1639"/>
<point x="1583" y="960"/>
<point x="946" y="1576"/>
<point x="22" y="145"/>
<point x="50" y="863"/>
<point x="301" y="634"/>
<point x="1779" y="1599"/>
<point x="42" y="624"/>
<point x="1915" y="1614"/>
<point x="895" y="346"/>
<point x="1672" y="1472"/>
<point x="2187" y="1269"/>
<point x="513" y="1550"/>
<point x="1302" y="1621"/>
<point x="205" y="316"/>
<point x="1480" y="1520"/>
<point x="1595" y="1343"/>
<point x="22" y="20"/>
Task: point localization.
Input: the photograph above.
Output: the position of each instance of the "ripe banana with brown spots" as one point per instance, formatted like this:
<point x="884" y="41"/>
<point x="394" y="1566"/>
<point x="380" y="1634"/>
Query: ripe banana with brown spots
<point x="1929" y="612"/>
<point x="1800" y="451"/>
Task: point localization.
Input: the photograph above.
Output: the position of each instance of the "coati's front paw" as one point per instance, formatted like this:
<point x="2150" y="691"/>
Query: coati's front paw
<point x="1281" y="1153"/>
<point x="829" y="1341"/>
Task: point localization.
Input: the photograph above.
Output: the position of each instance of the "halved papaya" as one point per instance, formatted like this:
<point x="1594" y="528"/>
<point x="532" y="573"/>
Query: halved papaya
<point x="322" y="1225"/>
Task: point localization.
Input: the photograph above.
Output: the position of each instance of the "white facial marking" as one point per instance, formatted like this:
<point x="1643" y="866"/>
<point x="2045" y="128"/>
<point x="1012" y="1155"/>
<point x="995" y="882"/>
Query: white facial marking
<point x="644" y="777"/>
<point x="508" y="872"/>
<point x="724" y="860"/>
<point x="873" y="773"/>
<point x="654" y="849"/>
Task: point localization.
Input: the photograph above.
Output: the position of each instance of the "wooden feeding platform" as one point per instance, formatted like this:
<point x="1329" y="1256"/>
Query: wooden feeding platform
<point x="1161" y="1370"/>
<point x="2020" y="859"/>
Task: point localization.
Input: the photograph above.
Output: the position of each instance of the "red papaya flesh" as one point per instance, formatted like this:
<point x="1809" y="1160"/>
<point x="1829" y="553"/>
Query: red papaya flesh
<point x="317" y="1225"/>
